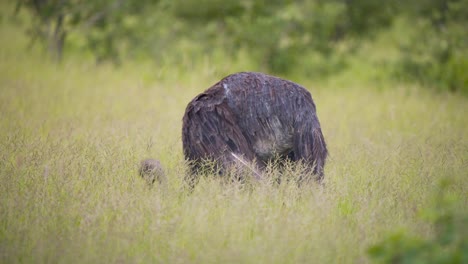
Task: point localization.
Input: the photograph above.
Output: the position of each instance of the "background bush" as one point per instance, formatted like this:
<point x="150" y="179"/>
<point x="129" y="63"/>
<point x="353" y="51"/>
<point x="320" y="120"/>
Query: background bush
<point x="447" y="244"/>
<point x="309" y="37"/>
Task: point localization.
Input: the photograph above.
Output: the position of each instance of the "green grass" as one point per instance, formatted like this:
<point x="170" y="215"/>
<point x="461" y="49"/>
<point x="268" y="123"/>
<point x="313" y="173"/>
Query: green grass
<point x="71" y="137"/>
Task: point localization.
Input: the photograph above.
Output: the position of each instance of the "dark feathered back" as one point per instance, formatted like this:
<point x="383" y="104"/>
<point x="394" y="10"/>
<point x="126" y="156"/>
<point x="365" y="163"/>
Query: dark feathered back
<point x="256" y="116"/>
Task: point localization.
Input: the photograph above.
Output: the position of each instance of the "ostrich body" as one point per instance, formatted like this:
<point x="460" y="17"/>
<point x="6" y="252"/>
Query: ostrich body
<point x="257" y="117"/>
<point x="151" y="170"/>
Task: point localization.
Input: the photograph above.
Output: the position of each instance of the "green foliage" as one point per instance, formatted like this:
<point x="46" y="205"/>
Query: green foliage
<point x="436" y="53"/>
<point x="281" y="37"/>
<point x="107" y="26"/>
<point x="448" y="244"/>
<point x="314" y="38"/>
<point x="278" y="34"/>
<point x="366" y="16"/>
<point x="205" y="10"/>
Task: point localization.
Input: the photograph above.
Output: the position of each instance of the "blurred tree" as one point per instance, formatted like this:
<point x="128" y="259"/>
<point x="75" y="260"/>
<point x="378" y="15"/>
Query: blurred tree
<point x="49" y="23"/>
<point x="276" y="32"/>
<point x="366" y="16"/>
<point x="103" y="23"/>
<point x="436" y="54"/>
<point x="279" y="33"/>
<point x="280" y="36"/>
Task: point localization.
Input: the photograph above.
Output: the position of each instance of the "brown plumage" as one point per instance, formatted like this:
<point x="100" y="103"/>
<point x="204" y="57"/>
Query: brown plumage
<point x="151" y="170"/>
<point x="254" y="116"/>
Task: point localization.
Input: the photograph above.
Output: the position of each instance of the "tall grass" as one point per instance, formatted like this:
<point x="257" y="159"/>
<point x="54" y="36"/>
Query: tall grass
<point x="72" y="135"/>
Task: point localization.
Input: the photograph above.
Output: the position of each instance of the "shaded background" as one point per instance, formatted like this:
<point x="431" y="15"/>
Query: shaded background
<point x="419" y="41"/>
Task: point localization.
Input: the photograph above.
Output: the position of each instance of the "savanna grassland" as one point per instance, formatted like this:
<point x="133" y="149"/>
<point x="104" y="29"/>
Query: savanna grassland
<point x="72" y="135"/>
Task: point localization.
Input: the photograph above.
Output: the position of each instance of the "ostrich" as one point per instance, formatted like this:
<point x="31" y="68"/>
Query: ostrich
<point x="151" y="170"/>
<point x="250" y="117"/>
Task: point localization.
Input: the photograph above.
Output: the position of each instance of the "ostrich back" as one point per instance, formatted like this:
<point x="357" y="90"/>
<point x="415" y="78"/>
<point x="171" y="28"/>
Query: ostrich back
<point x="255" y="115"/>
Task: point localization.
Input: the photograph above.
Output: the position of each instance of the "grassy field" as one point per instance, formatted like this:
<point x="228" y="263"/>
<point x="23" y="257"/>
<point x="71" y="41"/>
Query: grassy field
<point x="71" y="138"/>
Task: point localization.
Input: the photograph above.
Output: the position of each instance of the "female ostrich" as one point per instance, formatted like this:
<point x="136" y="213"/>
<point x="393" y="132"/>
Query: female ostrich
<point x="253" y="117"/>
